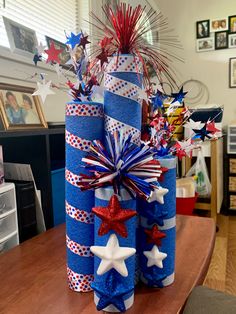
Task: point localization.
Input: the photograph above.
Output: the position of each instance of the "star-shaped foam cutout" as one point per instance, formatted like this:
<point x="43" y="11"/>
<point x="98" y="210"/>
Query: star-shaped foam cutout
<point x="43" y="90"/>
<point x="191" y="124"/>
<point x="154" y="235"/>
<point x="158" y="195"/>
<point x="112" y="256"/>
<point x="111" y="292"/>
<point x="155" y="257"/>
<point x="155" y="277"/>
<point x="84" y="41"/>
<point x="53" y="53"/>
<point x="73" y="40"/>
<point x="142" y="94"/>
<point x="179" y="96"/>
<point x="113" y="217"/>
<point x="202" y="133"/>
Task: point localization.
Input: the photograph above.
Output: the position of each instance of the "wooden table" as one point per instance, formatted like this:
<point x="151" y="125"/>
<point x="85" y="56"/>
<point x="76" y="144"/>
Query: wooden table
<point x="33" y="275"/>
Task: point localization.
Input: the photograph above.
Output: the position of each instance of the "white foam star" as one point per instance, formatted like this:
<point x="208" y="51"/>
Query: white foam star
<point x="112" y="256"/>
<point x="142" y="95"/>
<point x="155" y="257"/>
<point x="158" y="195"/>
<point x="43" y="90"/>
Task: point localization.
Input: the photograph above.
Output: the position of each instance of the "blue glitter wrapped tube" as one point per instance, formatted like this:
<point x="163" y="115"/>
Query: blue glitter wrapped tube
<point x="158" y="232"/>
<point x="84" y="123"/>
<point x="122" y="106"/>
<point x="121" y="288"/>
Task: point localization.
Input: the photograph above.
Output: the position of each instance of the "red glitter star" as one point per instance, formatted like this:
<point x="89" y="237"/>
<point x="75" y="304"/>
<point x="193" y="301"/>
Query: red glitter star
<point x="84" y="41"/>
<point x="113" y="217"/>
<point x="103" y="57"/>
<point x="212" y="128"/>
<point x="53" y="53"/>
<point x="154" y="235"/>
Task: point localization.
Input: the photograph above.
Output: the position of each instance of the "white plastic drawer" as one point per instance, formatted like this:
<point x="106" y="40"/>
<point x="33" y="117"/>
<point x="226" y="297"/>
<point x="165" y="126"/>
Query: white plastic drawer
<point x="9" y="243"/>
<point x="7" y="202"/>
<point x="7" y="226"/>
<point x="232" y="130"/>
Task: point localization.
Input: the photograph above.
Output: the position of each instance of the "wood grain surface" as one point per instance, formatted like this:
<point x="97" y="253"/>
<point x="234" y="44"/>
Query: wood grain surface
<point x="33" y="275"/>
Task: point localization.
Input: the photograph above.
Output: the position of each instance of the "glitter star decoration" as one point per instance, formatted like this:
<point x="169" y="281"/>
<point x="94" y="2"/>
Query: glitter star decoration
<point x="73" y="40"/>
<point x="53" y="53"/>
<point x="155" y="257"/>
<point x="43" y="90"/>
<point x="155" y="278"/>
<point x="154" y="235"/>
<point x="102" y="57"/>
<point x="112" y="292"/>
<point x="202" y="133"/>
<point x="179" y="97"/>
<point x="84" y="41"/>
<point x="113" y="217"/>
<point x="112" y="256"/>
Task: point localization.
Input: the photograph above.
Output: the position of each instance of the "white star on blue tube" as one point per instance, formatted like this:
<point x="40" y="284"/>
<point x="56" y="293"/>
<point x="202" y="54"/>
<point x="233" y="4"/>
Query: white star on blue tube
<point x="112" y="256"/>
<point x="155" y="257"/>
<point x="158" y="195"/>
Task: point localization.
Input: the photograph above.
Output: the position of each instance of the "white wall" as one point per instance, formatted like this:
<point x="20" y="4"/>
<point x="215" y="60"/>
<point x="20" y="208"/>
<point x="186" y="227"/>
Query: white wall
<point x="212" y="68"/>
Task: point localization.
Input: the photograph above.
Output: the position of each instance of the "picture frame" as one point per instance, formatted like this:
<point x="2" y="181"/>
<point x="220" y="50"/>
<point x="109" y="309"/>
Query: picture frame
<point x="232" y="40"/>
<point x="232" y="73"/>
<point x="203" y="29"/>
<point x="218" y="25"/>
<point x="232" y="24"/>
<point x="64" y="56"/>
<point x="221" y="40"/>
<point x="205" y="44"/>
<point x="20" y="110"/>
<point x="22" y="39"/>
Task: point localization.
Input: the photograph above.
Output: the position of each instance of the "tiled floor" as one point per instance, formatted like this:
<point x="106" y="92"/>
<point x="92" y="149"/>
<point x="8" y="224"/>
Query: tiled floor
<point x="222" y="271"/>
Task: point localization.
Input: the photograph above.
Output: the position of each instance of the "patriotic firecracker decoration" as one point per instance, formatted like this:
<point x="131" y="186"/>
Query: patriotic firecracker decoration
<point x="120" y="191"/>
<point x="84" y="123"/>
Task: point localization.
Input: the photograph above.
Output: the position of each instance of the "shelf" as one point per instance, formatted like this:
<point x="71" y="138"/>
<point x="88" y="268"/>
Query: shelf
<point x="7" y="212"/>
<point x="8" y="236"/>
<point x="32" y="132"/>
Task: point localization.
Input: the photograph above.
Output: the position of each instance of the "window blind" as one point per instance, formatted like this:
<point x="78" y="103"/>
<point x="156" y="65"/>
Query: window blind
<point x="46" y="17"/>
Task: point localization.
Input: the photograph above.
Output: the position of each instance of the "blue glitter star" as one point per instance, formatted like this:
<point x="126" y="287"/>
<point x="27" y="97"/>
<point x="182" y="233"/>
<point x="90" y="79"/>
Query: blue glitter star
<point x="158" y="100"/>
<point x="111" y="292"/>
<point x="73" y="40"/>
<point x="179" y="96"/>
<point x="154" y="278"/>
<point x="156" y="215"/>
<point x="202" y="133"/>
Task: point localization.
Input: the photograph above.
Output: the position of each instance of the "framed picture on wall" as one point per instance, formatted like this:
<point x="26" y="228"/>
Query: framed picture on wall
<point x="232" y="24"/>
<point x="219" y="25"/>
<point x="19" y="109"/>
<point x="205" y="44"/>
<point x="232" y="72"/>
<point x="203" y="29"/>
<point x="22" y="39"/>
<point x="232" y="40"/>
<point x="221" y="40"/>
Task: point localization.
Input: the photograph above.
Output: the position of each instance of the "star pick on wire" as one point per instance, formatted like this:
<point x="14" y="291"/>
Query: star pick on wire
<point x="37" y="58"/>
<point x="211" y="127"/>
<point x="113" y="217"/>
<point x="84" y="41"/>
<point x="40" y="48"/>
<point x="43" y="90"/>
<point x="53" y="53"/>
<point x="179" y="97"/>
<point x="202" y="133"/>
<point x="111" y="292"/>
<point x="103" y="57"/>
<point x="155" y="257"/>
<point x="112" y="256"/>
<point x="191" y="124"/>
<point x="154" y="235"/>
<point x="73" y="40"/>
